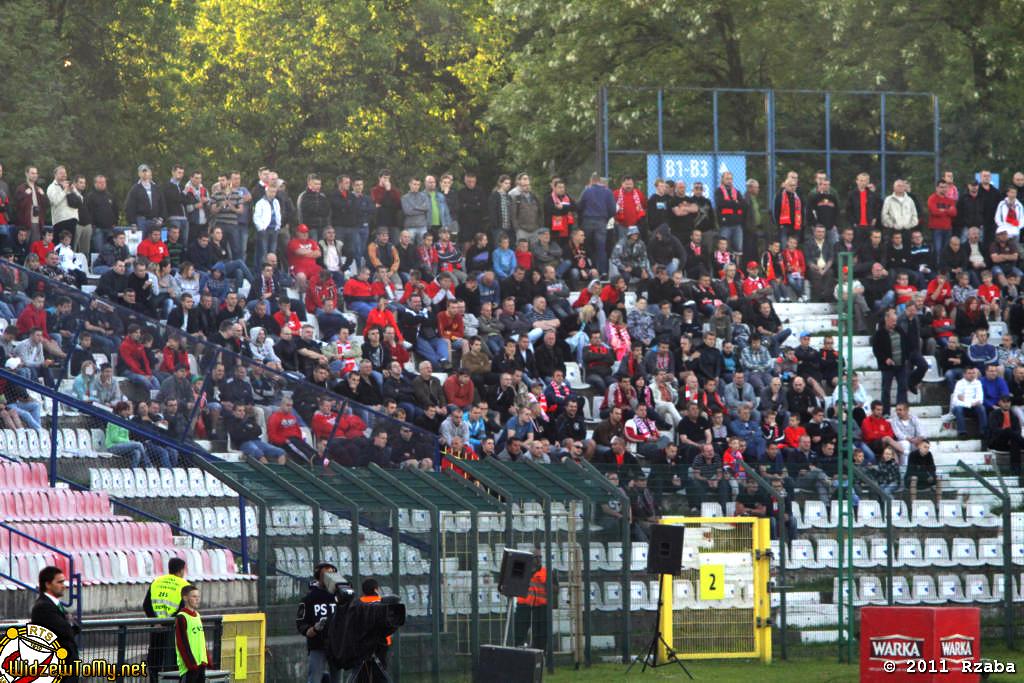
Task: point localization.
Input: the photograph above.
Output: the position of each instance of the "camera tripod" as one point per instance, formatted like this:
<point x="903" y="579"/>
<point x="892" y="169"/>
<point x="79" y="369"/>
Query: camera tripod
<point x="370" y="670"/>
<point x="650" y="657"/>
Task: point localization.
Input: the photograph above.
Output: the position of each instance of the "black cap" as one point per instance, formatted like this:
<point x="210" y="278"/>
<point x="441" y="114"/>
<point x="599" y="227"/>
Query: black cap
<point x="1005" y="397"/>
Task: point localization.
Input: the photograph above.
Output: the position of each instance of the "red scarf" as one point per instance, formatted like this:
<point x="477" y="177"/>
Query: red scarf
<point x="1011" y="214"/>
<point x="863" y="208"/>
<point x="637" y="205"/>
<point x="794" y="217"/>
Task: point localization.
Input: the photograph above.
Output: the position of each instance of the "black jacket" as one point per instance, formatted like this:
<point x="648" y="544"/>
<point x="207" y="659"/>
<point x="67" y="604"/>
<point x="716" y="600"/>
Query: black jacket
<point x="970" y="211"/>
<point x="174" y="199"/>
<point x="138" y="203"/>
<point x="881" y="344"/>
<point x="314" y="210"/>
<point x="318" y="603"/>
<point x="344" y="211"/>
<point x="472" y="210"/>
<point x="61" y="624"/>
<point x="102" y="209"/>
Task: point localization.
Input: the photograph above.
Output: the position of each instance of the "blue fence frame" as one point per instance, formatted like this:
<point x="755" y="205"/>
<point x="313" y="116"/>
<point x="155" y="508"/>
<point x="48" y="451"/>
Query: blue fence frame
<point x="772" y="150"/>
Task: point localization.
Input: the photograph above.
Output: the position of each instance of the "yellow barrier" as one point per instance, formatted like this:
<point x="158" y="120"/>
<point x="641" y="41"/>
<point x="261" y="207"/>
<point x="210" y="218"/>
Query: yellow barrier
<point x="722" y="609"/>
<point x="243" y="647"/>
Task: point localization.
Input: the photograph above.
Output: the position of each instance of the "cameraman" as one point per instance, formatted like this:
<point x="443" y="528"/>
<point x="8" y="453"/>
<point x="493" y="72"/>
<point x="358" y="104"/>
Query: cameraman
<point x="371" y="593"/>
<point x="311" y="621"/>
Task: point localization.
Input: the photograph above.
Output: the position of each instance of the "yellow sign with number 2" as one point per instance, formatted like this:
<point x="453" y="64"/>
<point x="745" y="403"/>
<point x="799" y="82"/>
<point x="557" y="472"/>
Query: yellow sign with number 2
<point x="712" y="582"/>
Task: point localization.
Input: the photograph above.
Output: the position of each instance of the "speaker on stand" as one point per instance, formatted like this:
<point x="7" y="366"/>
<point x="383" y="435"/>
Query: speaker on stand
<point x="665" y="558"/>
<point x="517" y="568"/>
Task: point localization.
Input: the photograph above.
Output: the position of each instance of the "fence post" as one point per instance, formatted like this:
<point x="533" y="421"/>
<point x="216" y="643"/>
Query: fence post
<point x="54" y="412"/>
<point x="936" y="129"/>
<point x="770" y="99"/>
<point x="122" y="643"/>
<point x="661" y="134"/>
<point x="714" y="140"/>
<point x="243" y="536"/>
<point x="828" y="134"/>
<point x="881" y="148"/>
<point x="604" y="130"/>
<point x="1004" y="498"/>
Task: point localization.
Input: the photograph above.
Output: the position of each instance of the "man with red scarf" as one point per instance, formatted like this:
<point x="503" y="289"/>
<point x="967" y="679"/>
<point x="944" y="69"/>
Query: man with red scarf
<point x="863" y="207"/>
<point x="630" y="206"/>
<point x="729" y="205"/>
<point x="788" y="210"/>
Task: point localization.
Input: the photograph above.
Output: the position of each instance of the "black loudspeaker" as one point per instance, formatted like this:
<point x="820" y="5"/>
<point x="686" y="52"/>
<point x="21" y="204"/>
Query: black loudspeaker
<point x="665" y="551"/>
<point x="509" y="665"/>
<point x="516" y="569"/>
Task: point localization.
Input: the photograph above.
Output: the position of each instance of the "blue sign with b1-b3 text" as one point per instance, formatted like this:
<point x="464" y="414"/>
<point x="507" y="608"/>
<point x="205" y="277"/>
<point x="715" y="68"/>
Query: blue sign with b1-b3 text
<point x="697" y="168"/>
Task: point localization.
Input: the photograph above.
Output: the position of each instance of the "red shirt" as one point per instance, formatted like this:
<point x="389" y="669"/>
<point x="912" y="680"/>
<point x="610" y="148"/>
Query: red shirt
<point x="524" y="259"/>
<point x="939" y="323"/>
<point x="281" y="426"/>
<point x="382" y="319"/>
<point x="41" y="250"/>
<point x="874" y="428"/>
<point x="793" y="435"/>
<point x="941" y="212"/>
<point x="355" y="287"/>
<point x="134" y="356"/>
<point x="301" y="263"/>
<point x="630" y="206"/>
<point x="938" y="294"/>
<point x="450" y="326"/>
<point x="989" y="292"/>
<point x="153" y="251"/>
<point x="753" y="284"/>
<point x="904" y="292"/>
<point x="292" y="321"/>
<point x="323" y="424"/>
<point x="31" y="318"/>
<point x="794" y="260"/>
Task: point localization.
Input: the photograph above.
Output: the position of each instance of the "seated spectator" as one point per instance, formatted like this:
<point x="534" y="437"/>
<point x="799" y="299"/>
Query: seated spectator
<point x="117" y="439"/>
<point x="921" y="474"/>
<point x="283" y="431"/>
<point x="245" y="435"/>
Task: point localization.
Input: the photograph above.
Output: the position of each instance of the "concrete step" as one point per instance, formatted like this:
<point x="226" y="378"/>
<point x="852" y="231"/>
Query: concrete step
<point x="795" y="309"/>
<point x="966" y="448"/>
<point x="927" y="411"/>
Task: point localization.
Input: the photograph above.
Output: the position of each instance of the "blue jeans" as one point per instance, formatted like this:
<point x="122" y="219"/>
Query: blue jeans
<point x="733" y="233"/>
<point x="266" y="242"/>
<point x="885" y="302"/>
<point x="319" y="666"/>
<point x="144" y="224"/>
<point x="147" y="381"/>
<point x="596" y="231"/>
<point x="232" y="269"/>
<point x="134" y="450"/>
<point x="261" y="449"/>
<point x="164" y="457"/>
<point x="979" y="412"/>
<point x="434" y="350"/>
<point x="360" y="308"/>
<point x="356" y="241"/>
<point x="30" y="418"/>
<point x="940" y="238"/>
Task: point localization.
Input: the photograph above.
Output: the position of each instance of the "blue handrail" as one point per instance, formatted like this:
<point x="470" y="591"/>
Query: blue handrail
<point x="74" y="596"/>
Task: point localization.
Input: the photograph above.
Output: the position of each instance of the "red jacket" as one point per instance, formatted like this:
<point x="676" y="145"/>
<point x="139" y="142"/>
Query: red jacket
<point x="31" y="318"/>
<point x="135" y="357"/>
<point x="357" y="289"/>
<point x="631" y="207"/>
<point x="154" y="251"/>
<point x="794" y="260"/>
<point x="941" y="212"/>
<point x="282" y="426"/>
<point x="173" y="360"/>
<point x="41" y="250"/>
<point x="457" y="393"/>
<point x="23" y="205"/>
<point x="319" y="292"/>
<point x="874" y="428"/>
<point x="382" y="319"/>
<point x="323" y="424"/>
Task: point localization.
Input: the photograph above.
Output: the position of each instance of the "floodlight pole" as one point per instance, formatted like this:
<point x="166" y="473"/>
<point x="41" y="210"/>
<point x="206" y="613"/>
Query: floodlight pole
<point x="844" y="414"/>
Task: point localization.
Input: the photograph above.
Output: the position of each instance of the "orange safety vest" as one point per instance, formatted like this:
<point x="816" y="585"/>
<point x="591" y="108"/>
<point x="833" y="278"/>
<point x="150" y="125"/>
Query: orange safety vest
<point x="373" y="598"/>
<point x="538" y="596"/>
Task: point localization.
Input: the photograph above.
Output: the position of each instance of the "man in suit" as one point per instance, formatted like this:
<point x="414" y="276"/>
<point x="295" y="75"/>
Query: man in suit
<point x="819" y="255"/>
<point x="49" y="612"/>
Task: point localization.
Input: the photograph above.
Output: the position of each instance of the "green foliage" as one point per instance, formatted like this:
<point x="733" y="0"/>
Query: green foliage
<point x="331" y="85"/>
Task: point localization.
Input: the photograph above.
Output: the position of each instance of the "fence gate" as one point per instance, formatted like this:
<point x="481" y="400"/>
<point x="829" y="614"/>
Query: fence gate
<point x="717" y="606"/>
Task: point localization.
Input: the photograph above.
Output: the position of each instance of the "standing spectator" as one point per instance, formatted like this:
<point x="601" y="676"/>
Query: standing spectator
<point x="30" y="204"/>
<point x="144" y="206"/>
<point x="823" y="208"/>
<point x="197" y="206"/>
<point x="1009" y="214"/>
<point x="788" y="210"/>
<point x="730" y="206"/>
<point x="863" y="207"/>
<point x="941" y="214"/>
<point x="103" y="211"/>
<point x="898" y="209"/>
<point x="527" y="211"/>
<point x="175" y="200"/>
<point x="415" y="210"/>
<point x="388" y="202"/>
<point x="313" y="207"/>
<point x="438" y="214"/>
<point x="890" y="347"/>
<point x="63" y="214"/>
<point x="990" y="196"/>
<point x="597" y="206"/>
<point x="267" y="219"/>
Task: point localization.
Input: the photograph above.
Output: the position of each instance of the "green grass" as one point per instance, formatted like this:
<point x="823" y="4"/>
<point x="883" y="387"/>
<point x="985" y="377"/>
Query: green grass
<point x="814" y="665"/>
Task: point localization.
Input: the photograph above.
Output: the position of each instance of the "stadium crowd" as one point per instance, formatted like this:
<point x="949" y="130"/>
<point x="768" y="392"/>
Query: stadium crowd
<point x="492" y="317"/>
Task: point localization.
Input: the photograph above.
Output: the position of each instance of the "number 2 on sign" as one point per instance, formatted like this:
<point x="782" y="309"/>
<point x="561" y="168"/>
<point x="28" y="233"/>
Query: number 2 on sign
<point x="712" y="582"/>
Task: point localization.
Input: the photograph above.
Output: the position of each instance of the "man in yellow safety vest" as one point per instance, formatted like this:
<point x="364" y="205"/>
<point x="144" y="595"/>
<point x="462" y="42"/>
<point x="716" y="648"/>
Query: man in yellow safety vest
<point x="161" y="602"/>
<point x="190" y="639"/>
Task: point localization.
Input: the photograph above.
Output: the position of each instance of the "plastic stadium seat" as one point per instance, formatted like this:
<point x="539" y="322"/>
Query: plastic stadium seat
<point x="195" y="482"/>
<point x="909" y="552"/>
<point x="682" y="594"/>
<point x="801" y="554"/>
<point x="950" y="589"/>
<point x="976" y="589"/>
<point x="638" y="562"/>
<point x="901" y="591"/>
<point x="965" y="553"/>
<point x="835" y="591"/>
<point x="612" y="596"/>
<point x="638" y="596"/>
<point x="924" y="590"/>
<point x="924" y="515"/>
<point x="951" y="513"/>
<point x="1017" y="553"/>
<point x="710" y="510"/>
<point x="979" y="514"/>
<point x="870" y="590"/>
<point x="816" y="514"/>
<point x="613" y="558"/>
<point x="869" y="514"/>
<point x="574" y="376"/>
<point x="990" y="550"/>
<point x="828" y="552"/>
<point x="936" y="552"/>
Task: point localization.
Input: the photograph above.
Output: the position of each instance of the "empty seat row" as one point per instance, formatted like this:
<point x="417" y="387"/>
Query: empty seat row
<point x="35" y="443"/>
<point x="93" y="535"/>
<point x="153" y="482"/>
<point x="910" y="552"/>
<point x="927" y="589"/>
<point x="15" y="476"/>
<point x="120" y="565"/>
<point x="45" y="504"/>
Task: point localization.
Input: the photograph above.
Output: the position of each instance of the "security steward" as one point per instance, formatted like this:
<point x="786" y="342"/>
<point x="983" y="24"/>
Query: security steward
<point x="531" y="611"/>
<point x="315" y="610"/>
<point x="162" y="602"/>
